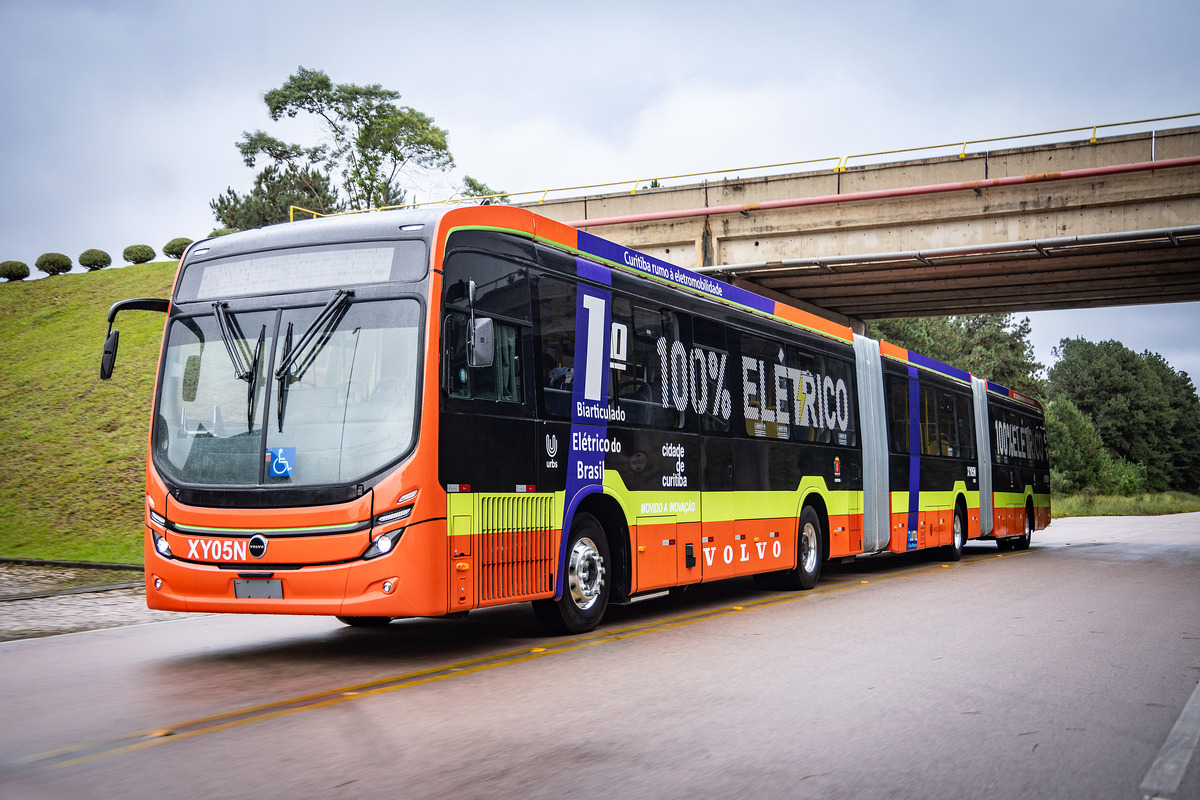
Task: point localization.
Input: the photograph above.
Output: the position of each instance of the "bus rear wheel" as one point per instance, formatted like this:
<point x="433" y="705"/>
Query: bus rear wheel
<point x="1022" y="542"/>
<point x="585" y="583"/>
<point x="954" y="550"/>
<point x="809" y="557"/>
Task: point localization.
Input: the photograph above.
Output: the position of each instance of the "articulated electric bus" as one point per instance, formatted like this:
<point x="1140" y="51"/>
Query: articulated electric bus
<point x="419" y="413"/>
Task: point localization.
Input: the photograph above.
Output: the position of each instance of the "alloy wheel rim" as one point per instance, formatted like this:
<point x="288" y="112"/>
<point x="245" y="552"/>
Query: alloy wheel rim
<point x="585" y="573"/>
<point x="808" y="548"/>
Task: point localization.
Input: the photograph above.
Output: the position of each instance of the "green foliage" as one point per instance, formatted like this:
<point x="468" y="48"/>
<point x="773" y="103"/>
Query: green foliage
<point x="73" y="453"/>
<point x="175" y="247"/>
<point x="275" y="191"/>
<point x="992" y="346"/>
<point x="138" y="253"/>
<point x="14" y="270"/>
<point x="373" y="139"/>
<point x="94" y="259"/>
<point x="474" y="188"/>
<point x="53" y="263"/>
<point x="222" y="232"/>
<point x="1079" y="460"/>
<point x="1144" y="411"/>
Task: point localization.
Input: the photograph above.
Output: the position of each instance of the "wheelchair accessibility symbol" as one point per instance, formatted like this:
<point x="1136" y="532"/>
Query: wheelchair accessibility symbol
<point x="282" y="460"/>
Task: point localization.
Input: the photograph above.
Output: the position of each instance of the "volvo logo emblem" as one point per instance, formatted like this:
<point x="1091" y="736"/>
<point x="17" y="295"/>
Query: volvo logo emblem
<point x="258" y="545"/>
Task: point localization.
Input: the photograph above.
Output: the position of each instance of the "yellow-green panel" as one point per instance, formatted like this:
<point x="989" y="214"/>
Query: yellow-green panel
<point x="935" y="501"/>
<point x="461" y="507"/>
<point x="1009" y="499"/>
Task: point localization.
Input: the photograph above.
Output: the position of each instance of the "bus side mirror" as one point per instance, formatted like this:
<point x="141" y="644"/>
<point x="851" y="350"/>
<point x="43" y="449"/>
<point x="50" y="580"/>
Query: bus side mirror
<point x="481" y="343"/>
<point x="109" y="357"/>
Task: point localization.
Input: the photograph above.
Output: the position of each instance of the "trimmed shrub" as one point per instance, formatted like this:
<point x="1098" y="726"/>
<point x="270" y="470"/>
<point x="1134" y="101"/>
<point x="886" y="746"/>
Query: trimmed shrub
<point x="94" y="259"/>
<point x="138" y="253"/>
<point x="53" y="263"/>
<point x="175" y="247"/>
<point x="222" y="232"/>
<point x="14" y="270"/>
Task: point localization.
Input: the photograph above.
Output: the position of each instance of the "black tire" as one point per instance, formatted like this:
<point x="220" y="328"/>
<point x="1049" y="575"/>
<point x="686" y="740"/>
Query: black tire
<point x="585" y="582"/>
<point x="1022" y="542"/>
<point x="954" y="550"/>
<point x="809" y="556"/>
<point x="364" y="622"/>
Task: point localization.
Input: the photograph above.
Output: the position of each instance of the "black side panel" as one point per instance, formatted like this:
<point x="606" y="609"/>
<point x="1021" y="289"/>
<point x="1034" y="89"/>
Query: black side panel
<point x="491" y="454"/>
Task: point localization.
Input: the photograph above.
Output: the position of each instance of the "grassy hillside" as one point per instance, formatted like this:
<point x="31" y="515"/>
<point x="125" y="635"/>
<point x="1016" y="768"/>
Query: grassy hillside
<point x="72" y="454"/>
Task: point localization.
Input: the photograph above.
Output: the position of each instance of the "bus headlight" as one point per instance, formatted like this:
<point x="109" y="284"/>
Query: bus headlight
<point x="383" y="545"/>
<point x="161" y="544"/>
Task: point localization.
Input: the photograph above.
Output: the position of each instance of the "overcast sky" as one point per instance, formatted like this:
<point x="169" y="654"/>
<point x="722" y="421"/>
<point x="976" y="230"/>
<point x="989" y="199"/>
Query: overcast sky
<point x="118" y="118"/>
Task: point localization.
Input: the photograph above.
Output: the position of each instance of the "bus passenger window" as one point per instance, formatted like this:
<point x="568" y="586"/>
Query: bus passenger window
<point x="807" y="387"/>
<point x="841" y="417"/>
<point x="897" y="403"/>
<point x="501" y="381"/>
<point x="766" y="391"/>
<point x="711" y="378"/>
<point x="457" y="373"/>
<point x="930" y="443"/>
<point x="948" y="423"/>
<point x="556" y="355"/>
<point x="648" y="394"/>
<point x="966" y="427"/>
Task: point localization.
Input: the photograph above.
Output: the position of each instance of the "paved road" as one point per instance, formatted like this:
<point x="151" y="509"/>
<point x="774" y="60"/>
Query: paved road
<point x="1060" y="672"/>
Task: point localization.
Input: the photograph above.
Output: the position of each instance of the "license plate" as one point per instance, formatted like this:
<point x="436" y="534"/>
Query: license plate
<point x="258" y="590"/>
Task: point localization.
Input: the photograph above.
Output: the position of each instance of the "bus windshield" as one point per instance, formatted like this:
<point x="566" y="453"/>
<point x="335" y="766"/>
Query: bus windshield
<point x="343" y="408"/>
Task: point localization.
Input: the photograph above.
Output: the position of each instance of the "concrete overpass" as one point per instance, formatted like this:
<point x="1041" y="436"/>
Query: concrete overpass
<point x="1098" y="222"/>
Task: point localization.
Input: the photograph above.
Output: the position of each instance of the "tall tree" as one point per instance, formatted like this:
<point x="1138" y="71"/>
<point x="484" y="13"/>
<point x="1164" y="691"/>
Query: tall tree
<point x="1078" y="458"/>
<point x="1181" y="437"/>
<point x="993" y="346"/>
<point x="373" y="140"/>
<point x="1144" y="411"/>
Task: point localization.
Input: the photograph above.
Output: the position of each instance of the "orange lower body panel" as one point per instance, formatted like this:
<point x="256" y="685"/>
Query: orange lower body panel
<point x="728" y="549"/>
<point x="416" y="569"/>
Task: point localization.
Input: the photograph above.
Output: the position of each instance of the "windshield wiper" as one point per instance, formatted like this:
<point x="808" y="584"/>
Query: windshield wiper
<point x="340" y="300"/>
<point x="284" y="381"/>
<point x="252" y="379"/>
<point x="234" y="346"/>
<point x="226" y="325"/>
<point x="326" y="319"/>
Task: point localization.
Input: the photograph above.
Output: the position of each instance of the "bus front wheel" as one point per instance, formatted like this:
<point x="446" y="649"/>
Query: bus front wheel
<point x="585" y="582"/>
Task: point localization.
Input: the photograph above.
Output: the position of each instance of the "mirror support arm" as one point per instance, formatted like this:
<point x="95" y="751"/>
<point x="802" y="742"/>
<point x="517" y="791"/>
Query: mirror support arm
<point x="109" y="356"/>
